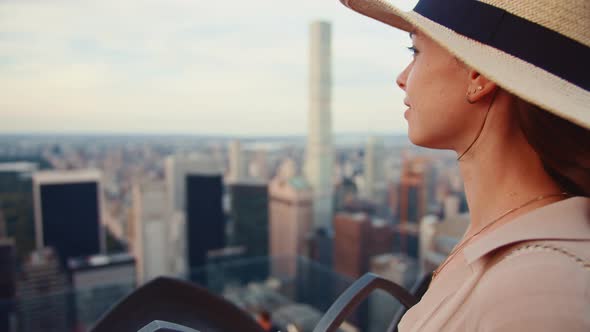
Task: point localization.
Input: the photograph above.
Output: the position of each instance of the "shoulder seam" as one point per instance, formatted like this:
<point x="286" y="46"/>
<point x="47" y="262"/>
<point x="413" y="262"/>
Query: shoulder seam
<point x="537" y="247"/>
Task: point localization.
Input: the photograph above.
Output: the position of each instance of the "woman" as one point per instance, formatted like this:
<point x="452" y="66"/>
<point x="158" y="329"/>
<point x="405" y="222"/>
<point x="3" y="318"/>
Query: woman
<point x="506" y="85"/>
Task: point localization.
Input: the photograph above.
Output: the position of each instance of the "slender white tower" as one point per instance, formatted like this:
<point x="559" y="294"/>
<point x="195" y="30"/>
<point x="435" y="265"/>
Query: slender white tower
<point x="319" y="153"/>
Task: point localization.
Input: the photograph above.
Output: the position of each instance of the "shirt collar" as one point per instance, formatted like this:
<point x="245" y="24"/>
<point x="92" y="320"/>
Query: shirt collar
<point x="568" y="219"/>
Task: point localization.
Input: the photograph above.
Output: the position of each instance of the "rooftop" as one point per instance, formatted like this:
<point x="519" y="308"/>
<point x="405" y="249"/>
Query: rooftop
<point x="67" y="176"/>
<point x="20" y="167"/>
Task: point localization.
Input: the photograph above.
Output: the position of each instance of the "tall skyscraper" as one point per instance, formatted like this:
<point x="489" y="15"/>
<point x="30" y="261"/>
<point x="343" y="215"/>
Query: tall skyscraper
<point x="290" y="218"/>
<point x="249" y="215"/>
<point x="68" y="212"/>
<point x="152" y="221"/>
<point x="319" y="151"/>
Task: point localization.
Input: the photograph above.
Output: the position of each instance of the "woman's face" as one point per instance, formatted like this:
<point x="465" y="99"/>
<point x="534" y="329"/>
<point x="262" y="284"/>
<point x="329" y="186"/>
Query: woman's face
<point x="436" y="85"/>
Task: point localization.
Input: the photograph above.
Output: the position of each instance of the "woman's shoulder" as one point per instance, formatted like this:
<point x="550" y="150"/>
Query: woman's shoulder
<point x="534" y="285"/>
<point x="557" y="264"/>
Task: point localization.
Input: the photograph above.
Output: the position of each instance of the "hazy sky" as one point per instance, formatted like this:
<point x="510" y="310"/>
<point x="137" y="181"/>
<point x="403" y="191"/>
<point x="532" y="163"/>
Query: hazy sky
<point x="230" y="67"/>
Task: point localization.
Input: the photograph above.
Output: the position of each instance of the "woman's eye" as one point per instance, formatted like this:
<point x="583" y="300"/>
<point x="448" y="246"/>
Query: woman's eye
<point x="413" y="49"/>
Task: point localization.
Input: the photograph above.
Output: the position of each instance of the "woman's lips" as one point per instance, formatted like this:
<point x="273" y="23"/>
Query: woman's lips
<point x="407" y="110"/>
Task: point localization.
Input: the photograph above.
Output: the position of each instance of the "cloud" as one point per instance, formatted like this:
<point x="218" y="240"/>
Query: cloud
<point x="189" y="66"/>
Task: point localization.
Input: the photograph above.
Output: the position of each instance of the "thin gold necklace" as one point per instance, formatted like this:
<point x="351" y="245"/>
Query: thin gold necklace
<point x="464" y="243"/>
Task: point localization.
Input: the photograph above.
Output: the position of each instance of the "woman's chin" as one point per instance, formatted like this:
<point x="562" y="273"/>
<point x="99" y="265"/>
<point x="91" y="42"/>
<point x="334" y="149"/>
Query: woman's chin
<point x="416" y="137"/>
<point x="426" y="141"/>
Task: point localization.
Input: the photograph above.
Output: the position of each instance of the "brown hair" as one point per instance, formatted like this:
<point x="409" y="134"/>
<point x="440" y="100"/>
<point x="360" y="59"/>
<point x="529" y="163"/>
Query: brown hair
<point x="564" y="147"/>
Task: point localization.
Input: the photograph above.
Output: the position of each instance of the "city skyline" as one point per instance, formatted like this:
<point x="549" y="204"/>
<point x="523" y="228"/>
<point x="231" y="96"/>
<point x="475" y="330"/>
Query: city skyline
<point x="190" y="67"/>
<point x="236" y="234"/>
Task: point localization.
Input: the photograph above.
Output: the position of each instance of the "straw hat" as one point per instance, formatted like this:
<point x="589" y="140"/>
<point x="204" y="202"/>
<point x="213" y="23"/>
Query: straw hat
<point x="538" y="50"/>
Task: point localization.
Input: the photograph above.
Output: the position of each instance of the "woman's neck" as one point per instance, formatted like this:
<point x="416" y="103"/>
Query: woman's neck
<point x="502" y="172"/>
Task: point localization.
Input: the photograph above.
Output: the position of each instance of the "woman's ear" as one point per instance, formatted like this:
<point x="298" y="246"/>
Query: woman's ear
<point x="479" y="87"/>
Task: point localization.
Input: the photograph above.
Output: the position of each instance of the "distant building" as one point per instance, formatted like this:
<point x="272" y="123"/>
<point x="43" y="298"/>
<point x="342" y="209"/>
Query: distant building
<point x="238" y="162"/>
<point x="249" y="215"/>
<point x="152" y="222"/>
<point x="205" y="223"/>
<point x="375" y="181"/>
<point x="346" y="194"/>
<point x="351" y="255"/>
<point x="195" y="188"/>
<point x="24" y="169"/>
<point x="42" y="286"/>
<point x="68" y="212"/>
<point x="359" y="206"/>
<point x="439" y="236"/>
<point x="381" y="237"/>
<point x="302" y="317"/>
<point x="7" y="284"/>
<point x="357" y="238"/>
<point x="290" y="217"/>
<point x="412" y="204"/>
<point x="178" y="244"/>
<point x="319" y="161"/>
<point x="3" y="233"/>
<point x="178" y="167"/>
<point x="98" y="282"/>
<point x="258" y="164"/>
<point x="215" y="274"/>
<point x="433" y="184"/>
<point x="413" y="191"/>
<point x="320" y="246"/>
<point x="16" y="205"/>
<point x="407" y="239"/>
<point x="351" y="244"/>
<point x="398" y="268"/>
<point x="393" y="199"/>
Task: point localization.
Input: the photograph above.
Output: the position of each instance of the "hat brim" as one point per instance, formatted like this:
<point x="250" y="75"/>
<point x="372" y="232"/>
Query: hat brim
<point x="519" y="77"/>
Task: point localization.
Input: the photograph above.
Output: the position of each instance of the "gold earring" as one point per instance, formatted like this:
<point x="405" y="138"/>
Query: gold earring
<point x="479" y="88"/>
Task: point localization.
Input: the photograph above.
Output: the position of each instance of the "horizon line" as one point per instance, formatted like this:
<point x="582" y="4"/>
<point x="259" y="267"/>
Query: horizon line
<point x="181" y="134"/>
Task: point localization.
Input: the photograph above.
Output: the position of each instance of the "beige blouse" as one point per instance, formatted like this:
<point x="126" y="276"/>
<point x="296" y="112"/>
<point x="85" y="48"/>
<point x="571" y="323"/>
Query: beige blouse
<point x="528" y="286"/>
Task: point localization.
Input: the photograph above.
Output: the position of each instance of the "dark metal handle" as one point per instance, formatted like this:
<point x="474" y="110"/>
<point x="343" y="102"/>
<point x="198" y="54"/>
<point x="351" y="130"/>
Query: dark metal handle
<point x="355" y="294"/>
<point x="163" y="326"/>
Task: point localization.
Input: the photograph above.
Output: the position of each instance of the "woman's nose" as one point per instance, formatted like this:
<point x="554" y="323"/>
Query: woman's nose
<point x="401" y="78"/>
